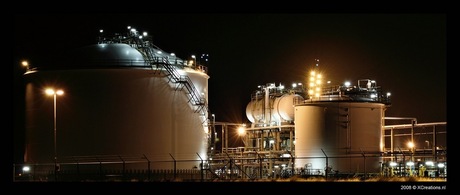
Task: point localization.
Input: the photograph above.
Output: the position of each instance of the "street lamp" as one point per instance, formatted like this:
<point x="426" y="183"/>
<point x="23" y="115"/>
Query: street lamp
<point x="25" y="63"/>
<point x="54" y="93"/>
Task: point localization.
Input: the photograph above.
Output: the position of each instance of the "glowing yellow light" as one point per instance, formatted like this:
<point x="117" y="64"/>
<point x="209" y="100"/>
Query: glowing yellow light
<point x="310" y="92"/>
<point x="410" y="144"/>
<point x="50" y="91"/>
<point x="319" y="76"/>
<point x="25" y="63"/>
<point x="312" y="79"/>
<point x="312" y="73"/>
<point x="318" y="82"/>
<point x="241" y="131"/>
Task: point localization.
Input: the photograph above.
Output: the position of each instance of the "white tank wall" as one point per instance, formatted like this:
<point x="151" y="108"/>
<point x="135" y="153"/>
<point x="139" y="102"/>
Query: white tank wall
<point x="113" y="112"/>
<point x="340" y="129"/>
<point x="309" y="136"/>
<point x="281" y="108"/>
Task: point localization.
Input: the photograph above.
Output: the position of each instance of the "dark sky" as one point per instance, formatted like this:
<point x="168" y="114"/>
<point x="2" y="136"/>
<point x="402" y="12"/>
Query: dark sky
<point x="404" y="53"/>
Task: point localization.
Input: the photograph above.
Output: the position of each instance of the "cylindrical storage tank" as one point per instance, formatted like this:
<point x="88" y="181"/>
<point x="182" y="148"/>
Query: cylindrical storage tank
<point x="283" y="106"/>
<point x="347" y="133"/>
<point x="309" y="136"/>
<point x="280" y="108"/>
<point x="115" y="108"/>
<point x="255" y="110"/>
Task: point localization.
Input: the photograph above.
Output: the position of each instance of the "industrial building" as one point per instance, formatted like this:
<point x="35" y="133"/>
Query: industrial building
<point x="134" y="112"/>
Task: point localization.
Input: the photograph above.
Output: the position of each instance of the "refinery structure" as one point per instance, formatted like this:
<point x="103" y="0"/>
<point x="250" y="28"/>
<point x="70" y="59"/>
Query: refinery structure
<point x="146" y="118"/>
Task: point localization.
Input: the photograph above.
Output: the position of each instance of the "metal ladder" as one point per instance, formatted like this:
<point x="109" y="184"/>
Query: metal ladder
<point x="182" y="81"/>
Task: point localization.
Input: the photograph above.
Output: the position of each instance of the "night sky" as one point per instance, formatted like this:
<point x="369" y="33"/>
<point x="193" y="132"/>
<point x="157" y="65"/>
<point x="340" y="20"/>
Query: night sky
<point x="404" y="53"/>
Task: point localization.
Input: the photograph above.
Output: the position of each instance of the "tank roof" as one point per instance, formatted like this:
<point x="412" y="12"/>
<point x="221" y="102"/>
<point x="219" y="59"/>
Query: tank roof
<point x="115" y="54"/>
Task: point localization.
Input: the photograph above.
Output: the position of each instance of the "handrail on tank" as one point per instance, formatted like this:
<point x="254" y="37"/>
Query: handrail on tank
<point x="145" y="45"/>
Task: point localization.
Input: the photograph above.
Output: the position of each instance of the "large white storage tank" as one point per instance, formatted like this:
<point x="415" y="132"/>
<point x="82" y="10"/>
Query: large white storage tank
<point x="115" y="105"/>
<point x="347" y="133"/>
<point x="276" y="109"/>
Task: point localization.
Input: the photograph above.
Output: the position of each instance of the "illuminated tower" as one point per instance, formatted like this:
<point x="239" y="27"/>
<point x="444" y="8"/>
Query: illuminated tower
<point x="315" y="82"/>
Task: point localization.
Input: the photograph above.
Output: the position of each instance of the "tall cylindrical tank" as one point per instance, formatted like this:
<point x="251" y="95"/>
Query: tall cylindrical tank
<point x="279" y="108"/>
<point x="115" y="105"/>
<point x="347" y="133"/>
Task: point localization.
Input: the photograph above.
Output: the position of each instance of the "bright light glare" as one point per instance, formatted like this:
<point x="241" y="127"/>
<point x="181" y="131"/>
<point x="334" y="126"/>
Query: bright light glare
<point x="25" y="63"/>
<point x="286" y="155"/>
<point x="410" y="144"/>
<point x="26" y="168"/>
<point x="50" y="91"/>
<point x="241" y="130"/>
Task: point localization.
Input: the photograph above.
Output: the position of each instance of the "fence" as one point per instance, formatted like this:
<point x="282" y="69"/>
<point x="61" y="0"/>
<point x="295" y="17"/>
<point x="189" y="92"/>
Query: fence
<point x="178" y="170"/>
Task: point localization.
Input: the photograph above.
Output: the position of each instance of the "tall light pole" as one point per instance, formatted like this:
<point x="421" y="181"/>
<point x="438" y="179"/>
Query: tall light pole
<point x="54" y="93"/>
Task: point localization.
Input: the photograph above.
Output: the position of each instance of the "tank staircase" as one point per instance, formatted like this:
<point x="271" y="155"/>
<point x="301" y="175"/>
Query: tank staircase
<point x="161" y="63"/>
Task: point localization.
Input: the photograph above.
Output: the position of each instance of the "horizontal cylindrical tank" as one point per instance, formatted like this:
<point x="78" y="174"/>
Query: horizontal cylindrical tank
<point x="113" y="104"/>
<point x="349" y="134"/>
<point x="279" y="108"/>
